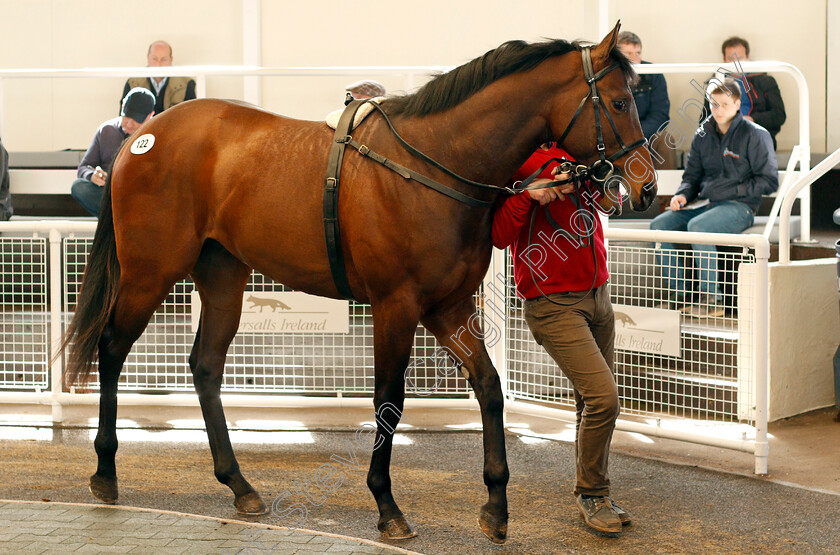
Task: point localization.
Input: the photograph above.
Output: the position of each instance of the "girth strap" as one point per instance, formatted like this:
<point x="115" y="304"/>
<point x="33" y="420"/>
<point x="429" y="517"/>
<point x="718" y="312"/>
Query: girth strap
<point x="331" y="228"/>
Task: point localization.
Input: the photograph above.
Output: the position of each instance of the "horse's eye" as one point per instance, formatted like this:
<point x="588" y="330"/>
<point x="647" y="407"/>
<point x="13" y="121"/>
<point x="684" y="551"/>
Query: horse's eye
<point x="620" y="105"/>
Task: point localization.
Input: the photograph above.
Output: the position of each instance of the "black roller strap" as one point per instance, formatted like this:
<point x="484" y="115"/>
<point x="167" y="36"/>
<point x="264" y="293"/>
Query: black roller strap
<point x="331" y="227"/>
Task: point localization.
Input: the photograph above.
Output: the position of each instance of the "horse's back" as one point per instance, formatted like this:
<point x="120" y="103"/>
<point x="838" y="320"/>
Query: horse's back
<point x="245" y="177"/>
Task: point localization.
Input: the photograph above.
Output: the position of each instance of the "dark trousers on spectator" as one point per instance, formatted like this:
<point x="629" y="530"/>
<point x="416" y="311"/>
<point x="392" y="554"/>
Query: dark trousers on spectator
<point x="580" y="338"/>
<point x="88" y="194"/>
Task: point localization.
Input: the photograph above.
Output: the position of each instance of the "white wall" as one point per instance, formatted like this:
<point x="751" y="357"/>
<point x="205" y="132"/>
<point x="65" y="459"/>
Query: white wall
<point x="383" y="32"/>
<point x="57" y="114"/>
<point x="804" y="333"/>
<point x="64" y="113"/>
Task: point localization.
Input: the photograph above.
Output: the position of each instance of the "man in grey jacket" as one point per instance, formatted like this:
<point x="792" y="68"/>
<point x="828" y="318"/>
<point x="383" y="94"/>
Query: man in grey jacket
<point x="730" y="166"/>
<point x="138" y="106"/>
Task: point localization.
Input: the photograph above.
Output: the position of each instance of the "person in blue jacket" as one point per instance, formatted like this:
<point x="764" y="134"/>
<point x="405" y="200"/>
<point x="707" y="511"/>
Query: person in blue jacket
<point x="731" y="165"/>
<point x="6" y="210"/>
<point x="650" y="92"/>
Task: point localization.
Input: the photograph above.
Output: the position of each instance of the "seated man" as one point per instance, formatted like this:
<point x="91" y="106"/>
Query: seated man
<point x="761" y="101"/>
<point x="730" y="166"/>
<point x="137" y="107"/>
<point x="5" y="196"/>
<point x="650" y="92"/>
<point x="168" y="91"/>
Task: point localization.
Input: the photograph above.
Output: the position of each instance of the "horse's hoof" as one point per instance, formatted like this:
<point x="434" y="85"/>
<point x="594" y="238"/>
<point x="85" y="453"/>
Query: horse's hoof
<point x="104" y="489"/>
<point x="396" y="529"/>
<point x="250" y="504"/>
<point x="494" y="527"/>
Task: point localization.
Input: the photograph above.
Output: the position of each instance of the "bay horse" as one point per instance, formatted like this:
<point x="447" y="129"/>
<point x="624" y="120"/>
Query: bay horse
<point x="227" y="188"/>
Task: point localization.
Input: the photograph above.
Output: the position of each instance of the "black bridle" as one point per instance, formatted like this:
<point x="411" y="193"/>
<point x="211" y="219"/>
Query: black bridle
<point x="580" y="174"/>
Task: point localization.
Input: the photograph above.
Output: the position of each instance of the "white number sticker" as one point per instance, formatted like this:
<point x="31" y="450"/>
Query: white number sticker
<point x="143" y="144"/>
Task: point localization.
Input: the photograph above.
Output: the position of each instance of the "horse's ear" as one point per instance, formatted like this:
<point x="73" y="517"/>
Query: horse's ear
<point x="603" y="49"/>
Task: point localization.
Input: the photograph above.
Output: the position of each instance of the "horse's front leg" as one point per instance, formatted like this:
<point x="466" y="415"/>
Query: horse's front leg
<point x="465" y="344"/>
<point x="394" y="325"/>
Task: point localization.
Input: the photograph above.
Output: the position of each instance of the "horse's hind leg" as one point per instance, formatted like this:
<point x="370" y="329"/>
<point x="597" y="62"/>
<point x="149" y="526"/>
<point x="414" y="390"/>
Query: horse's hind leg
<point x="220" y="279"/>
<point x="140" y="293"/>
<point x="451" y="328"/>
<point x="394" y="325"/>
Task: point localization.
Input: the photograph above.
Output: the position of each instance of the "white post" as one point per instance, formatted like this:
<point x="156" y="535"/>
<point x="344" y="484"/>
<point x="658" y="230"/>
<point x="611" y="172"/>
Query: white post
<point x="596" y="20"/>
<point x="201" y="85"/>
<point x="251" y="39"/>
<point x="57" y="367"/>
<point x="762" y="331"/>
<point x="805" y="197"/>
<point x="495" y="309"/>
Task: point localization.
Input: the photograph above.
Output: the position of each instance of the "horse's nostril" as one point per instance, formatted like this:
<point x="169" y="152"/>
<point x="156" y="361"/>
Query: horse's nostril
<point x="646" y="196"/>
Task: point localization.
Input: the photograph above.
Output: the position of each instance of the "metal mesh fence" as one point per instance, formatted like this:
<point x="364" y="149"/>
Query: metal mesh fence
<point x="24" y="320"/>
<point x="307" y="364"/>
<point x="710" y="379"/>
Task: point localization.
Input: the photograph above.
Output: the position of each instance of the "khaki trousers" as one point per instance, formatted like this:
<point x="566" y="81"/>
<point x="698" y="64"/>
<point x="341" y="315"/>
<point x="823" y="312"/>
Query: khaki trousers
<point x="580" y="338"/>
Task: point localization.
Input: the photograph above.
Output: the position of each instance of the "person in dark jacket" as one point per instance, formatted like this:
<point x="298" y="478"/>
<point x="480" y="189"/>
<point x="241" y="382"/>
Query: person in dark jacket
<point x="761" y="101"/>
<point x="88" y="189"/>
<point x="168" y="91"/>
<point x="6" y="210"/>
<point x="730" y="166"/>
<point x="650" y="92"/>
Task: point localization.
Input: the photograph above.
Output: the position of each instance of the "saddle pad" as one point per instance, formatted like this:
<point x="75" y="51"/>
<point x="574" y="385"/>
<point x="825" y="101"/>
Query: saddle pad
<point x="361" y="113"/>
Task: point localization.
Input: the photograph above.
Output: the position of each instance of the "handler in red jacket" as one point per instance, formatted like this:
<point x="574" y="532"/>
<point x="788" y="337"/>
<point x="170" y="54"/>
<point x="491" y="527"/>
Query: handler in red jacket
<point x="562" y="274"/>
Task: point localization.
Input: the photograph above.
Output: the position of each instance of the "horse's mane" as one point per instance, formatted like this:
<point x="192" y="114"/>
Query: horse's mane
<point x="455" y="86"/>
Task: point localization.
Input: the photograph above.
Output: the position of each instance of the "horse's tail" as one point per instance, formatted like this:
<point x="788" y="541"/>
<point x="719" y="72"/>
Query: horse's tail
<point x="96" y="299"/>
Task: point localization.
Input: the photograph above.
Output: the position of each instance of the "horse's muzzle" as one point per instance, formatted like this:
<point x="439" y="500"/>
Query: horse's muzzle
<point x="646" y="196"/>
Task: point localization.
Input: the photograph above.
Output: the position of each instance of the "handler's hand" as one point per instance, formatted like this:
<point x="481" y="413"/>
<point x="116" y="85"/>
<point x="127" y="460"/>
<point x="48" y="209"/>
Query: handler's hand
<point x="677" y="202"/>
<point x="548" y="194"/>
<point x="99" y="176"/>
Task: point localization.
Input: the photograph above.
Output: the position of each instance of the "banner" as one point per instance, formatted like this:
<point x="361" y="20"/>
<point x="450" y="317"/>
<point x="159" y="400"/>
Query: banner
<point x="286" y="312"/>
<point x="647" y="330"/>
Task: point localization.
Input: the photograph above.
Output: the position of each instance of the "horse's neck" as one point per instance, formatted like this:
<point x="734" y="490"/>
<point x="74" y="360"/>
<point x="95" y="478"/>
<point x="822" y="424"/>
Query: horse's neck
<point x="491" y="134"/>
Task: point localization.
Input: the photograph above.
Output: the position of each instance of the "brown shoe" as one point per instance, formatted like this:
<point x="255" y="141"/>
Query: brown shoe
<point x="599" y="514"/>
<point x="623" y="515"/>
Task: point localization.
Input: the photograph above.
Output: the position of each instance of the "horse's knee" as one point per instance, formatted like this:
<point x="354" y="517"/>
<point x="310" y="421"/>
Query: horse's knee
<point x="378" y="482"/>
<point x="496" y="473"/>
<point x="207" y="376"/>
<point x="488" y="390"/>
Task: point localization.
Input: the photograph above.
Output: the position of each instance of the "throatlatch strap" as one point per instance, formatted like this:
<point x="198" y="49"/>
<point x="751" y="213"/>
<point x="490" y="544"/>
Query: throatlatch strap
<point x="331" y="228"/>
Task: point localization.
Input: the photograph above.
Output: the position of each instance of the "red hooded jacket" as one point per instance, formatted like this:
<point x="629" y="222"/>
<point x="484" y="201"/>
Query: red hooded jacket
<point x="560" y="261"/>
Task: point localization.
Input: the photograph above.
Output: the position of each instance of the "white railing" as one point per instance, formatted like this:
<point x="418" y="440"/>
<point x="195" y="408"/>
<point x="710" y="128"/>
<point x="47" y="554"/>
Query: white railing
<point x="161" y="366"/>
<point x="803" y="183"/>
